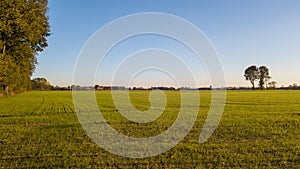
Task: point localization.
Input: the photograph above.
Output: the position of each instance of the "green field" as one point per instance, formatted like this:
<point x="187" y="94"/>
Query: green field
<point x="259" y="129"/>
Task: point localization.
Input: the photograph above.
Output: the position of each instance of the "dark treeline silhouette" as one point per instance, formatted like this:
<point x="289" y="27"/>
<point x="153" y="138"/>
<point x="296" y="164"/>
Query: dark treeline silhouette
<point x="107" y="88"/>
<point x="41" y="84"/>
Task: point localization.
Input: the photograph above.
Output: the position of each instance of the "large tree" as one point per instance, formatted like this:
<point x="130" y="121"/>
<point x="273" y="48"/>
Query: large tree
<point x="263" y="76"/>
<point x="24" y="27"/>
<point x="251" y="74"/>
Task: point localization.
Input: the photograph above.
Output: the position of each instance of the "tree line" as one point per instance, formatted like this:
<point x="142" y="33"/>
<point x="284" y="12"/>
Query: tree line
<point x="24" y="27"/>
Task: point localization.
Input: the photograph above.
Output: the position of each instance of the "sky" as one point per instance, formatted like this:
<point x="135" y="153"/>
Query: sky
<point x="244" y="33"/>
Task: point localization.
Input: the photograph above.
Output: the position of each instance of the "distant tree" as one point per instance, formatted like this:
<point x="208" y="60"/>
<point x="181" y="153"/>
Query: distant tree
<point x="267" y="81"/>
<point x="252" y="74"/>
<point x="272" y="84"/>
<point x="293" y="86"/>
<point x="23" y="30"/>
<point x="96" y="87"/>
<point x="263" y="74"/>
<point x="41" y="84"/>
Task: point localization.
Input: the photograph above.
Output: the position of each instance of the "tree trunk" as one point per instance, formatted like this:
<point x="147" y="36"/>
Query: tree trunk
<point x="253" y="87"/>
<point x="4" y="50"/>
<point x="6" y="89"/>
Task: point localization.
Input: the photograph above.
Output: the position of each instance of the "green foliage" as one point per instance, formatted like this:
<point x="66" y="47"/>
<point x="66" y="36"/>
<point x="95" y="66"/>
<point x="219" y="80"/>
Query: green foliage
<point x="41" y="84"/>
<point x="23" y="30"/>
<point x="257" y="130"/>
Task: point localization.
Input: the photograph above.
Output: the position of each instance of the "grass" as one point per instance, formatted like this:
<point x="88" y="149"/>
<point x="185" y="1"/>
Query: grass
<point x="259" y="129"/>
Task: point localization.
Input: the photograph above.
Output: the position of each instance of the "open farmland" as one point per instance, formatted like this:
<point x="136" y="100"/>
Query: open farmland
<point x="259" y="129"/>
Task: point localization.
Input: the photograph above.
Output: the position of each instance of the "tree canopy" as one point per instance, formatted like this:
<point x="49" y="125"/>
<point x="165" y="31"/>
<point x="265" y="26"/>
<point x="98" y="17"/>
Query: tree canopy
<point x="261" y="73"/>
<point x="251" y="74"/>
<point x="41" y="84"/>
<point x="24" y="27"/>
<point x="263" y="76"/>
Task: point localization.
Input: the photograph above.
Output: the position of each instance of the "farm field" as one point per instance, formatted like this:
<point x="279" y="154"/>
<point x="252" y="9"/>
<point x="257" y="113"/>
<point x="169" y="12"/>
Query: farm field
<point x="259" y="129"/>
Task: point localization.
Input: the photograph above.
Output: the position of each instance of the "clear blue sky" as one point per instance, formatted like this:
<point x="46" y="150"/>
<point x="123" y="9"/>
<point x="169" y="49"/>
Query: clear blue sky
<point x="260" y="32"/>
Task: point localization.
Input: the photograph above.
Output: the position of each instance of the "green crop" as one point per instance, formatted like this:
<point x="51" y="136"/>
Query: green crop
<point x="259" y="129"/>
